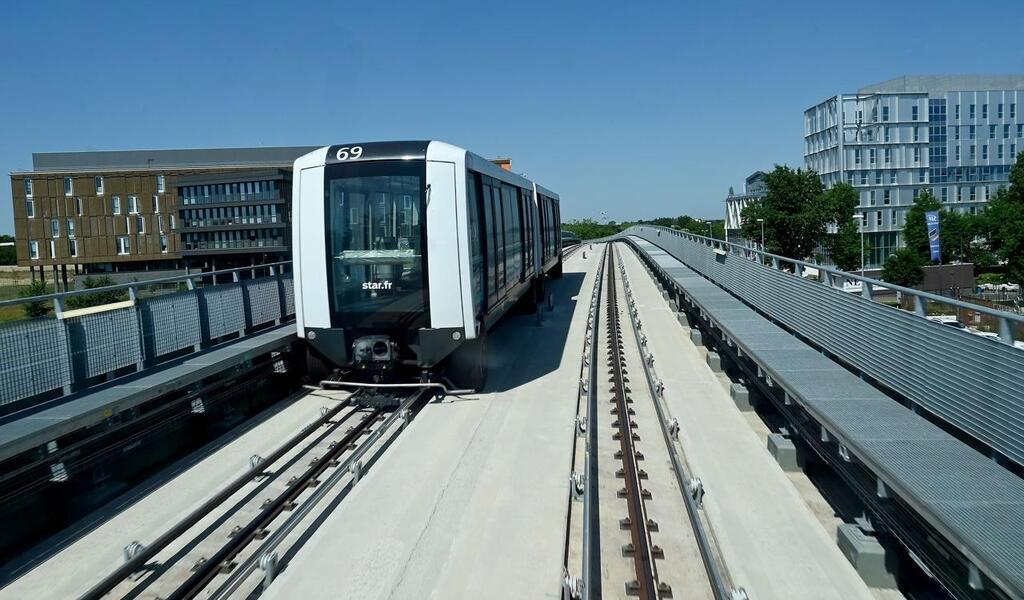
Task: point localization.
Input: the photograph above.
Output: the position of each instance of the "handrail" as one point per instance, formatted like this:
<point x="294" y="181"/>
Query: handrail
<point x="135" y="284"/>
<point x="774" y="261"/>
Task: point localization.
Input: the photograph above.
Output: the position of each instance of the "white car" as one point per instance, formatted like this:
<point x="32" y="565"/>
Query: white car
<point x="952" y="321"/>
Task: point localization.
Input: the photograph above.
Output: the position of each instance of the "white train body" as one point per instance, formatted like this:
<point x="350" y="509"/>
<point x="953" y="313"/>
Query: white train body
<point x="403" y="251"/>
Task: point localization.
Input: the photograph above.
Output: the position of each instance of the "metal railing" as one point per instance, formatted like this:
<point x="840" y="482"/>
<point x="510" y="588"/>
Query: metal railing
<point x="973" y="383"/>
<point x="65" y="345"/>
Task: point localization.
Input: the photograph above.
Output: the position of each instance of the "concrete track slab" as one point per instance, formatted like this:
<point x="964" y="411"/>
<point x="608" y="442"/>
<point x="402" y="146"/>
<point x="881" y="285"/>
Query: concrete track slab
<point x="771" y="543"/>
<point x="471" y="500"/>
<point x="71" y="562"/>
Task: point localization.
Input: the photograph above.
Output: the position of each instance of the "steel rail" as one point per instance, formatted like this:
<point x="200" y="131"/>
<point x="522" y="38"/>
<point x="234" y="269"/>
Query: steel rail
<point x="591" y="512"/>
<point x="107" y="584"/>
<point x="210" y="567"/>
<point x="716" y="578"/>
<point x="645" y="585"/>
<point x="266" y="550"/>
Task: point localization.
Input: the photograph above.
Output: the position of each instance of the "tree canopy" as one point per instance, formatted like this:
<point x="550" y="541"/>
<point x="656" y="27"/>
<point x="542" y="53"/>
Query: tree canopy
<point x="792" y="210"/>
<point x="1003" y="222"/>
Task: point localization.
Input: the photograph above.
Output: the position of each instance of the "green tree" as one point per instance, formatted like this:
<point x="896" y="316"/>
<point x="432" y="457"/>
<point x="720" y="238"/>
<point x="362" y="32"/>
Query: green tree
<point x="98" y="298"/>
<point x="837" y="206"/>
<point x="7" y="254"/>
<point x="794" y="222"/>
<point x="903" y="267"/>
<point x="36" y="309"/>
<point x="1004" y="222"/>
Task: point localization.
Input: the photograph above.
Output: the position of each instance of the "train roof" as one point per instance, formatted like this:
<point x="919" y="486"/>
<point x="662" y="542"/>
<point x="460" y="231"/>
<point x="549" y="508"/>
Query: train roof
<point x="420" y="150"/>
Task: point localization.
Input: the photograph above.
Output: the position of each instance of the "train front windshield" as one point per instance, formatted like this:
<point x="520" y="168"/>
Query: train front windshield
<point x="375" y="240"/>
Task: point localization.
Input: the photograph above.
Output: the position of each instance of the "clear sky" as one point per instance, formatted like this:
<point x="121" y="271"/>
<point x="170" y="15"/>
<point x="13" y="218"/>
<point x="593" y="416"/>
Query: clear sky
<point x="636" y="109"/>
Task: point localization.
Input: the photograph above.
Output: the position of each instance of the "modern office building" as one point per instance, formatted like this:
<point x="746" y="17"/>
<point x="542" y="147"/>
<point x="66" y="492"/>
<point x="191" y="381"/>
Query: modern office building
<point x="148" y="212"/>
<point x="955" y="135"/>
<point x="753" y="189"/>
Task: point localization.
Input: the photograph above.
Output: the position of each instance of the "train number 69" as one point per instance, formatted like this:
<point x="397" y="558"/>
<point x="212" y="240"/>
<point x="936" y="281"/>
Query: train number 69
<point x="345" y="153"/>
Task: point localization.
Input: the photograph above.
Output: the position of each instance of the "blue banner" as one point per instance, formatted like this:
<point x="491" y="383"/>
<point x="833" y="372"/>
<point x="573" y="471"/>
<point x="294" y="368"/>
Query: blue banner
<point x="932" y="219"/>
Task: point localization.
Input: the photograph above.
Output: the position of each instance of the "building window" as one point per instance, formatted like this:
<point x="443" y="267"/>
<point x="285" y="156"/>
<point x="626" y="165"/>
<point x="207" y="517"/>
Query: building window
<point x="888" y="137"/>
<point x="1006" y="132"/>
<point x="133" y="205"/>
<point x="878" y="177"/>
<point x="54" y="228"/>
<point x="140" y="224"/>
<point x="73" y="247"/>
<point x="863" y="177"/>
<point x="1020" y="130"/>
<point x="69" y="186"/>
<point x="991" y="132"/>
<point x="984" y="111"/>
<point x="886" y="196"/>
<point x="878" y="214"/>
<point x="972" y="112"/>
<point x="156" y="204"/>
<point x="160" y="182"/>
<point x="33" y="249"/>
<point x="956" y="132"/>
<point x="163" y="244"/>
<point x="973" y="131"/>
<point x="28" y="188"/>
<point x="957" y="112"/>
<point x="78" y="206"/>
<point x="945" y="194"/>
<point x="984" y="152"/>
<point x="920" y="175"/>
<point x="892" y="176"/>
<point x="173" y="224"/>
<point x="53" y="249"/>
<point x="917" y="134"/>
<point x="1000" y="151"/>
<point x="894" y="217"/>
<point x="1013" y="151"/>
<point x="128" y="224"/>
<point x="856" y="157"/>
<point x="885" y="113"/>
<point x="98" y="181"/>
<point x="30" y="208"/>
<point x="913" y="113"/>
<point x="999" y="111"/>
<point x="973" y="151"/>
<point x="71" y="228"/>
<point x="960" y="194"/>
<point x="1013" y="110"/>
<point x="916" y="193"/>
<point x="115" y="205"/>
<point x="872" y="156"/>
<point x="123" y="244"/>
<point x="888" y="155"/>
<point x="973" y="193"/>
<point x="958" y="152"/>
<point x="917" y="155"/>
<point x="871" y="198"/>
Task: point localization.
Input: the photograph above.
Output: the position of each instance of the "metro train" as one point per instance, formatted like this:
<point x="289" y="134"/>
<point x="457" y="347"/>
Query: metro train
<point x="407" y="253"/>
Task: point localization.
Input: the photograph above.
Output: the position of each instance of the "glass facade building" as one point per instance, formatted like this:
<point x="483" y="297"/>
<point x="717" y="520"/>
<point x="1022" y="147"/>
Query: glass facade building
<point x="957" y="136"/>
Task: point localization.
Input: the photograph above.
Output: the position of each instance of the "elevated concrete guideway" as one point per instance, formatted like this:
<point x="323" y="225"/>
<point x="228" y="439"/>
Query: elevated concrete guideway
<point x="971" y="502"/>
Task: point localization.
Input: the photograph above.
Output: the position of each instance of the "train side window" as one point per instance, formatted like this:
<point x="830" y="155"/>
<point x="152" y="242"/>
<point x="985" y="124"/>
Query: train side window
<point x="475" y="244"/>
<point x="499" y="241"/>
<point x="492" y="247"/>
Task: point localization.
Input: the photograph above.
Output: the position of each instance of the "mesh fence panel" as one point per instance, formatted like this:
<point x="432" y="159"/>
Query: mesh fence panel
<point x="288" y="285"/>
<point x="170" y="323"/>
<point x="223" y="309"/>
<point x="33" y="358"/>
<point x="104" y="342"/>
<point x="264" y="300"/>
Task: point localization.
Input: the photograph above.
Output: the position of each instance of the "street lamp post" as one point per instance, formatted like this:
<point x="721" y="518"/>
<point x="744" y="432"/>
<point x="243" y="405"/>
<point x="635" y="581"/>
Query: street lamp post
<point x="861" y="217"/>
<point x="761" y="221"/>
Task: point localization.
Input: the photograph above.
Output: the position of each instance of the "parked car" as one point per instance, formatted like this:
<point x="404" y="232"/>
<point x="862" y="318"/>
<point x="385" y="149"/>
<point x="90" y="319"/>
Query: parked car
<point x="952" y="321"/>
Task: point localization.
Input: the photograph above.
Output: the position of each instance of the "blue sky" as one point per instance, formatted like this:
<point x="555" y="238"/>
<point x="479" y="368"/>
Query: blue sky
<point x="635" y="109"/>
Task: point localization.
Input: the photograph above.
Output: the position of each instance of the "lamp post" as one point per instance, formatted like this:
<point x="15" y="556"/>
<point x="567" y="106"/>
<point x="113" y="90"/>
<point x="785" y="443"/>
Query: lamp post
<point x="861" y="217"/>
<point x="761" y="221"/>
